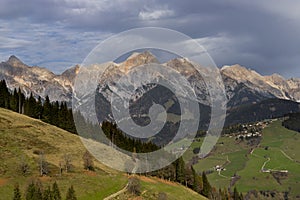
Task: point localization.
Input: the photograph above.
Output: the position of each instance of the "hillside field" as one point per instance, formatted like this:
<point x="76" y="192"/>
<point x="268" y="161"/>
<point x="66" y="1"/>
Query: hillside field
<point x="21" y="138"/>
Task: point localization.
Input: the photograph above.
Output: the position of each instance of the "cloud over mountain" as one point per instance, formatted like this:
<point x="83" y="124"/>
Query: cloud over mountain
<point x="261" y="35"/>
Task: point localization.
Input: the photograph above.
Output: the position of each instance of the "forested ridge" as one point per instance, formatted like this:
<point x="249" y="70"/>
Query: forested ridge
<point x="292" y="121"/>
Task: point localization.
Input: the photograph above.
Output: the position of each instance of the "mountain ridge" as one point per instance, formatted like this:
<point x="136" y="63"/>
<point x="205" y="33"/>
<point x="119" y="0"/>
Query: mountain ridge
<point x="237" y="79"/>
<point x="37" y="80"/>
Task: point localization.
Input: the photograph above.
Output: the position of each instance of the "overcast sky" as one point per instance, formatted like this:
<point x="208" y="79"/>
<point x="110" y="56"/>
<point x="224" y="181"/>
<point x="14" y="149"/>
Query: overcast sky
<point x="261" y="35"/>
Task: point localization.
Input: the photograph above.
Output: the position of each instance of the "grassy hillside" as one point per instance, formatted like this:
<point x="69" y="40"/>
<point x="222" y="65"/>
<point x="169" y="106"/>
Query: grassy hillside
<point x="21" y="138"/>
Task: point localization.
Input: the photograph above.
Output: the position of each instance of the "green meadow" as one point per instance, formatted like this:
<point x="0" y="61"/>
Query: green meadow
<point x="278" y="150"/>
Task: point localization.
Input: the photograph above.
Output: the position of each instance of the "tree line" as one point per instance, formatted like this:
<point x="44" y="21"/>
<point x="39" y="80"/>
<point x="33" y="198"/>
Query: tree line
<point x="35" y="191"/>
<point x="55" y="113"/>
<point x="292" y="121"/>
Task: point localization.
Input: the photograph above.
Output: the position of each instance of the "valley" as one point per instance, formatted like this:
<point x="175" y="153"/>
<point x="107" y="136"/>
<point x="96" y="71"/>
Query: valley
<point x="272" y="165"/>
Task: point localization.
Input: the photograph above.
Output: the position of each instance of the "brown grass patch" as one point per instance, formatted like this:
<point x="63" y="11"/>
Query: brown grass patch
<point x="3" y="181"/>
<point x="45" y="179"/>
<point x="90" y="173"/>
<point x="146" y="179"/>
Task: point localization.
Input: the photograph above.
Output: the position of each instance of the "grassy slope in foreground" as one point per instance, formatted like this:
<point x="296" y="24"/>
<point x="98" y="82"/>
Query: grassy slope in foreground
<point x="21" y="136"/>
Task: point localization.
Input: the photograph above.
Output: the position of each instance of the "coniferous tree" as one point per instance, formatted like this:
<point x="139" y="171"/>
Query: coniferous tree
<point x="38" y="108"/>
<point x="197" y="182"/>
<point x="188" y="176"/>
<point x="14" y="100"/>
<point x="236" y="195"/>
<point x="21" y="101"/>
<point x="180" y="166"/>
<point x="4" y="95"/>
<point x="38" y="193"/>
<point x="206" y="191"/>
<point x="241" y="196"/>
<point x="48" y="194"/>
<point x="30" y="191"/>
<point x="29" y="106"/>
<point x="32" y="103"/>
<point x="71" y="194"/>
<point x="47" y="110"/>
<point x="55" y="113"/>
<point x="17" y="193"/>
<point x="55" y="192"/>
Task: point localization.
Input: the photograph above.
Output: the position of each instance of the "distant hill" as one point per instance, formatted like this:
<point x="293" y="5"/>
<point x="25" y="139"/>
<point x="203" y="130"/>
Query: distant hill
<point x="266" y="109"/>
<point x="292" y="122"/>
<point x="23" y="138"/>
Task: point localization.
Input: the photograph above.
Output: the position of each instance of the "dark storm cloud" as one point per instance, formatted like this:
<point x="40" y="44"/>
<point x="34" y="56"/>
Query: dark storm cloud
<point x="261" y="35"/>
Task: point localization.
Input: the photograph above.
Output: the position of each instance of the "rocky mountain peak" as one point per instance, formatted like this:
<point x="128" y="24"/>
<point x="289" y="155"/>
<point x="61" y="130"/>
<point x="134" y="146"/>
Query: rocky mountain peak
<point x="137" y="59"/>
<point x="276" y="79"/>
<point x="242" y="85"/>
<point x="182" y="65"/>
<point x="14" y="61"/>
<point x="241" y="73"/>
<point x="145" y="56"/>
<point x="71" y="72"/>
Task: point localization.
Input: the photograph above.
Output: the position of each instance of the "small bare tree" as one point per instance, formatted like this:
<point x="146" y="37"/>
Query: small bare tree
<point x="88" y="162"/>
<point x="134" y="186"/>
<point x="43" y="165"/>
<point x="24" y="167"/>
<point x="67" y="162"/>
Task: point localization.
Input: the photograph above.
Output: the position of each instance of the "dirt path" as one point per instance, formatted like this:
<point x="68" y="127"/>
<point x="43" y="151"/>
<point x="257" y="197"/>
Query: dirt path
<point x="263" y="166"/>
<point x="288" y="157"/>
<point x="227" y="162"/>
<point x="117" y="193"/>
<point x="219" y="173"/>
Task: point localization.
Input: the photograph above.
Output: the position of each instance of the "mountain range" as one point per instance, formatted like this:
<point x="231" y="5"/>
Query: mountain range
<point x="244" y="87"/>
<point x="37" y="80"/>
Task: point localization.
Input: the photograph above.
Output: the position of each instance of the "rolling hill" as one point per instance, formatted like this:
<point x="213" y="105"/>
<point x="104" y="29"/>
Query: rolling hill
<point x="22" y="138"/>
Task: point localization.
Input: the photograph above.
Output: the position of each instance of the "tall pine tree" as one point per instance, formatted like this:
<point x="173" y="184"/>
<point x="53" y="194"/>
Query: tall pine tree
<point x="206" y="191"/>
<point x="30" y="191"/>
<point x="71" y="194"/>
<point x="4" y="95"/>
<point x="17" y="193"/>
<point x="180" y="168"/>
<point x="47" y="111"/>
<point x="56" y="192"/>
<point x="48" y="194"/>
<point x="197" y="182"/>
<point x="14" y="101"/>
